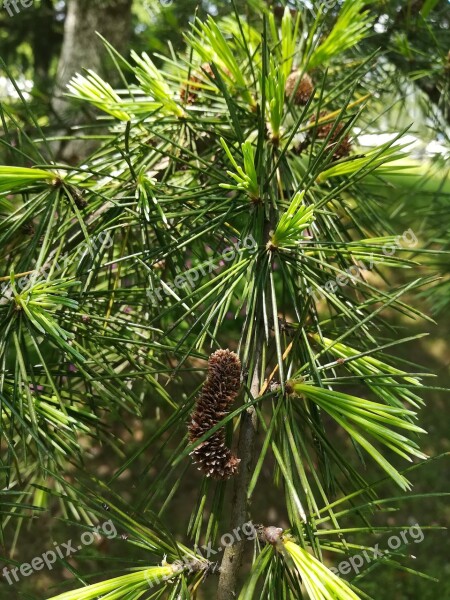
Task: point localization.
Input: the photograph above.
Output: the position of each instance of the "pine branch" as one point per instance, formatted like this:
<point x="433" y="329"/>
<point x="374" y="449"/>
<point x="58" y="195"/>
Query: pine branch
<point x="232" y="557"/>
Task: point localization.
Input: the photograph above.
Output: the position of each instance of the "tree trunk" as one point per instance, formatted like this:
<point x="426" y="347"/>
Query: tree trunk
<point x="83" y="49"/>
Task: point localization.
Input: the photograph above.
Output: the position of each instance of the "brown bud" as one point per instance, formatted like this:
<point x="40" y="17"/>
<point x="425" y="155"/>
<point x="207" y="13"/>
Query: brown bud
<point x="57" y="182"/>
<point x="269" y="535"/>
<point x="28" y="228"/>
<point x="300" y="90"/>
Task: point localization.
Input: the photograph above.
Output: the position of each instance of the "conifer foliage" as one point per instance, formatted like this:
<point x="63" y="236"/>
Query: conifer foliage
<point x="227" y="205"/>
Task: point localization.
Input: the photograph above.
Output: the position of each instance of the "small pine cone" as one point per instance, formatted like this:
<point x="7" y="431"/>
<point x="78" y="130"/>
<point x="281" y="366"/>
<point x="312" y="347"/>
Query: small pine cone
<point x="80" y="201"/>
<point x="196" y="77"/>
<point x="340" y="149"/>
<point x="190" y="97"/>
<point x="301" y="90"/>
<point x="343" y="148"/>
<point x="322" y="131"/>
<point x="218" y="393"/>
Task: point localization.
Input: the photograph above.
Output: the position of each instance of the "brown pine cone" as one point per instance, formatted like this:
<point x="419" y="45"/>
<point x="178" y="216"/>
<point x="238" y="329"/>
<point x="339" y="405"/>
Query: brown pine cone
<point x="218" y="393"/>
<point x="340" y="149"/>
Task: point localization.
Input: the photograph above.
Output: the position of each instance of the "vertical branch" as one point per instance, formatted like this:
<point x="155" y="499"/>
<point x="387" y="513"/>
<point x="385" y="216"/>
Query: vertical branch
<point x="232" y="557"/>
<point x="233" y="554"/>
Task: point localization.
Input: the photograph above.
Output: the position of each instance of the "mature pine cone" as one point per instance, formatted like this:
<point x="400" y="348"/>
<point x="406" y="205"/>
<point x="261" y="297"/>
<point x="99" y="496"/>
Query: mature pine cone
<point x="218" y="393"/>
<point x="301" y="89"/>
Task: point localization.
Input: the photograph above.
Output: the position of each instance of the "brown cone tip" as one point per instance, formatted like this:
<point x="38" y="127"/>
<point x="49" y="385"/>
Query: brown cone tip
<point x="218" y="393"/>
<point x="300" y="90"/>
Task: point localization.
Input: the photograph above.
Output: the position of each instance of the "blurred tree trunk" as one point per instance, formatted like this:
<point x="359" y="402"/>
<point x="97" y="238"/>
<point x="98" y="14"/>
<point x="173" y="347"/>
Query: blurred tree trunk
<point x="45" y="39"/>
<point x="83" y="49"/>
